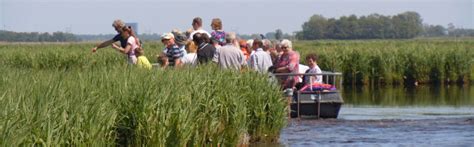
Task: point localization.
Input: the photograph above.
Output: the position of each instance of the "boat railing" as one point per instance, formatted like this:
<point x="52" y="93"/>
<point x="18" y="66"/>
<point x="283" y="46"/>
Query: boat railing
<point x="328" y="77"/>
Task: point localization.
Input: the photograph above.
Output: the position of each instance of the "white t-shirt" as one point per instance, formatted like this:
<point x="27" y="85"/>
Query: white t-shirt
<point x="302" y="69"/>
<point x="199" y="31"/>
<point x="190" y="59"/>
<point x="318" y="78"/>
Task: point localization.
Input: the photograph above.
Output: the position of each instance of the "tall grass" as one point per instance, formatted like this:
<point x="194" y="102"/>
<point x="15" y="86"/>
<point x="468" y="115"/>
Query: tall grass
<point x="128" y="106"/>
<point x="395" y="61"/>
<point x="97" y="100"/>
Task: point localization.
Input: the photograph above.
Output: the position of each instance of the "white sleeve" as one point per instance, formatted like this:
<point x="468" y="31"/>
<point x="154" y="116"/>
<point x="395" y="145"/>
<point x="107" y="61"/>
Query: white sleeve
<point x="319" y="78"/>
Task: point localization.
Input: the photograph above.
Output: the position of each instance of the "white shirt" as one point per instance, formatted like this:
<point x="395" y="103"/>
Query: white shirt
<point x="190" y="59"/>
<point x="315" y="69"/>
<point x="199" y="31"/>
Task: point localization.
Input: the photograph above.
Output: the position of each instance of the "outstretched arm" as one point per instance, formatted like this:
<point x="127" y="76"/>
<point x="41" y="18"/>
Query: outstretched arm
<point x="103" y="44"/>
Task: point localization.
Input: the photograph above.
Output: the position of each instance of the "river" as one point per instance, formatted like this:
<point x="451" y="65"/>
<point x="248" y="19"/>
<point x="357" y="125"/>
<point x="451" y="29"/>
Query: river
<point x="392" y="116"/>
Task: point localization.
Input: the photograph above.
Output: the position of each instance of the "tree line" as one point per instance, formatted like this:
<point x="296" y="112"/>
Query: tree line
<point x="405" y="25"/>
<point x="37" y="37"/>
<point x="374" y="26"/>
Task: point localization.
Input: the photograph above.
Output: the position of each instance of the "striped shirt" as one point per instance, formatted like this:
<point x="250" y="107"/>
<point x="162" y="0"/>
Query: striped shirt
<point x="174" y="52"/>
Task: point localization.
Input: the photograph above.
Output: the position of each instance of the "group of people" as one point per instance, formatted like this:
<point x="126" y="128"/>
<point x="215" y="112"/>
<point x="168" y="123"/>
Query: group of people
<point x="196" y="46"/>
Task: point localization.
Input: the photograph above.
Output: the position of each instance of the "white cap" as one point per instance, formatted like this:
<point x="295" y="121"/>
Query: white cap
<point x="167" y="36"/>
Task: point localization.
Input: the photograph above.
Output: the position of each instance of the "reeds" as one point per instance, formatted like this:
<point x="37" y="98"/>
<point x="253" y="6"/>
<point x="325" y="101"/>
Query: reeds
<point x="97" y="99"/>
<point x="395" y="62"/>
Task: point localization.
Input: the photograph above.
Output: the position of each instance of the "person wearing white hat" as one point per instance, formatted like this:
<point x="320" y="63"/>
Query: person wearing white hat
<point x="172" y="50"/>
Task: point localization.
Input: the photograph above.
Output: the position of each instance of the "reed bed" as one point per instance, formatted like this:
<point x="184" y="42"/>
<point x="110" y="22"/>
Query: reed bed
<point x="395" y="62"/>
<point x="97" y="100"/>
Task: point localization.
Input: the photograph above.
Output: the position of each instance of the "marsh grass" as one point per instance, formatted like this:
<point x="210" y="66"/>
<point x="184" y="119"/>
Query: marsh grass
<point x="394" y="62"/>
<point x="121" y="105"/>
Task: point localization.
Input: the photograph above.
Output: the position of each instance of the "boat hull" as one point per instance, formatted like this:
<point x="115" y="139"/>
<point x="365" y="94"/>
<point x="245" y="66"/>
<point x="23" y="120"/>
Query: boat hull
<point x="327" y="104"/>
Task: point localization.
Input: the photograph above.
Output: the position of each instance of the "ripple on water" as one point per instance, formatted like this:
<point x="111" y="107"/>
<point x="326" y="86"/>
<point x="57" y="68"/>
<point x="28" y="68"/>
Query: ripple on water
<point x="452" y="127"/>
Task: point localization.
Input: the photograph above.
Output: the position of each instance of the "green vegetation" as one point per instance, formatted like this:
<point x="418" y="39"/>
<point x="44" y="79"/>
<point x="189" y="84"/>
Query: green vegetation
<point x="64" y="95"/>
<point x="36" y="37"/>
<point x="405" y="25"/>
<point x="395" y="61"/>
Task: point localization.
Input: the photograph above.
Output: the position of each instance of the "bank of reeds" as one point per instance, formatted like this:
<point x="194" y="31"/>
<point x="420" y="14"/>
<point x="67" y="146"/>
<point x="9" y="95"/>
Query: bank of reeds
<point x="48" y="99"/>
<point x="368" y="62"/>
<point x="395" y="62"/>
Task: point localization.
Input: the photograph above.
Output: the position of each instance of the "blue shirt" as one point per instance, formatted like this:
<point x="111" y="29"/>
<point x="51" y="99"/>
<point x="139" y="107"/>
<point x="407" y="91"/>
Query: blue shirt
<point x="123" y="41"/>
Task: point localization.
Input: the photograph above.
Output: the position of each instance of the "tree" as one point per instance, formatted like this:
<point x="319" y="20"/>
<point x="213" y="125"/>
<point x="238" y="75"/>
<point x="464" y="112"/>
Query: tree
<point x="407" y="25"/>
<point x="315" y="28"/>
<point x="433" y="31"/>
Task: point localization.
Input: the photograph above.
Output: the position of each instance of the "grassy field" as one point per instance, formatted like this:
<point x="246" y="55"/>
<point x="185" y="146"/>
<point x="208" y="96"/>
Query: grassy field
<point x="64" y="95"/>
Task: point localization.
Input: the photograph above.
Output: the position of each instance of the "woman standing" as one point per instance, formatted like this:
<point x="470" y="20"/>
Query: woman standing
<point x="131" y="45"/>
<point x="288" y="63"/>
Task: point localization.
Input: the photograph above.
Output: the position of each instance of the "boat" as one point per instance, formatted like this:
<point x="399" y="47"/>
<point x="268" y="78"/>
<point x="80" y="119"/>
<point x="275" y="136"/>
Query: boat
<point x="318" y="102"/>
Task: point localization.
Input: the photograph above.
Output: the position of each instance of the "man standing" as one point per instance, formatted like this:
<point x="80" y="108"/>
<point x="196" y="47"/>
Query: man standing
<point x="118" y="26"/>
<point x="229" y="56"/>
<point x="260" y="60"/>
<point x="197" y="26"/>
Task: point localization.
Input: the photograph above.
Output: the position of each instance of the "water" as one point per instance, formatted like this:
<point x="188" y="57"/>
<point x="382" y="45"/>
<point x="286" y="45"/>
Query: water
<point x="392" y="116"/>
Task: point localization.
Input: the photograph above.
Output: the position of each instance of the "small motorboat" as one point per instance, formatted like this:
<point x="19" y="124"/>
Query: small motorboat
<point x="315" y="101"/>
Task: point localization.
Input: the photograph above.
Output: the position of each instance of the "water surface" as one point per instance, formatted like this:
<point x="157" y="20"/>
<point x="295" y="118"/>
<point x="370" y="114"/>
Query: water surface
<point x="392" y="116"/>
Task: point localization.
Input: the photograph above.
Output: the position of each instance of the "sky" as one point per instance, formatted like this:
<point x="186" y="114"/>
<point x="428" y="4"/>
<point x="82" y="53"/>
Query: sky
<point x="241" y="16"/>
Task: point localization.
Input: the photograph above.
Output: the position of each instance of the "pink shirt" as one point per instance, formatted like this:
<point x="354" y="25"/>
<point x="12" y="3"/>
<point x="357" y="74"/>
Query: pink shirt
<point x="132" y="59"/>
<point x="291" y="60"/>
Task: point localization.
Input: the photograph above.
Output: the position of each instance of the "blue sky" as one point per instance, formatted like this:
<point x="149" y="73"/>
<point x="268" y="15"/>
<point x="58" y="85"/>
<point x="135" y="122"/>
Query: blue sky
<point x="242" y="16"/>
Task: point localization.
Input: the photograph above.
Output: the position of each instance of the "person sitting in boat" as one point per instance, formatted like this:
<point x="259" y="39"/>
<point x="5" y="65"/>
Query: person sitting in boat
<point x="312" y="61"/>
<point x="311" y="82"/>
